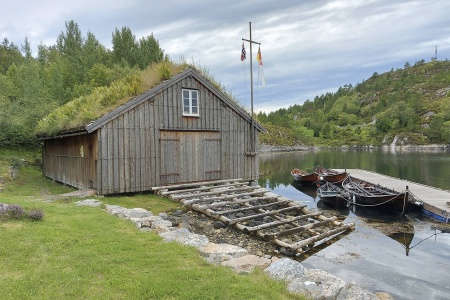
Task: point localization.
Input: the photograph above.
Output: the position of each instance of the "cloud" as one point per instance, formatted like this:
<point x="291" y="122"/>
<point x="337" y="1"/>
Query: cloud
<point x="308" y="47"/>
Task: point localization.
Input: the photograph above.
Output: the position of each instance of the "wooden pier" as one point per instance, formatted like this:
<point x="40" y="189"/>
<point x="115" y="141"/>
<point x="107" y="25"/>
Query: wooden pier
<point x="257" y="211"/>
<point x="435" y="202"/>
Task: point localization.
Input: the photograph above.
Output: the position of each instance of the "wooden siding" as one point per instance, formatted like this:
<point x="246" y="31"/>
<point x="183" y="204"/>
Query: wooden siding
<point x="152" y="143"/>
<point x="72" y="160"/>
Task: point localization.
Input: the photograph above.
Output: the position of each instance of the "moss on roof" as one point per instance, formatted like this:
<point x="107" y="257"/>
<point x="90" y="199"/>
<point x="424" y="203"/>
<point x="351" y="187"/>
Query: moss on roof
<point x="81" y="111"/>
<point x="85" y="109"/>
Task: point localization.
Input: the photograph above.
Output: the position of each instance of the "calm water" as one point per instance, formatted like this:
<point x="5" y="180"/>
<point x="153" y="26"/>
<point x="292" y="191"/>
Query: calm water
<point x="374" y="255"/>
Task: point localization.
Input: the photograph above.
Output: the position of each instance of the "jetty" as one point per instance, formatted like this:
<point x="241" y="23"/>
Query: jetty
<point x="434" y="202"/>
<point x="259" y="212"/>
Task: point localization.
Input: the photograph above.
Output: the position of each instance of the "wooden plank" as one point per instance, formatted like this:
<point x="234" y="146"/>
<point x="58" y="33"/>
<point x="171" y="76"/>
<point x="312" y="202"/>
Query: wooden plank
<point x="253" y="207"/>
<point x="203" y="194"/>
<point x="204" y="188"/>
<point x="193" y="184"/>
<point x="236" y="202"/>
<point x="248" y="229"/>
<point x="297" y="229"/>
<point x="273" y="212"/>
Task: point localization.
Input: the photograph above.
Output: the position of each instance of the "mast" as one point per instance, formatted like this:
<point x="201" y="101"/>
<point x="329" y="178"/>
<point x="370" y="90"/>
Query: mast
<point x="252" y="128"/>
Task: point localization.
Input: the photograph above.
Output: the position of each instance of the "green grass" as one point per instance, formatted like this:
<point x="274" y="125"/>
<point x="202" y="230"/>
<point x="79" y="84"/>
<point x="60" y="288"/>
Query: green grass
<point x="84" y="253"/>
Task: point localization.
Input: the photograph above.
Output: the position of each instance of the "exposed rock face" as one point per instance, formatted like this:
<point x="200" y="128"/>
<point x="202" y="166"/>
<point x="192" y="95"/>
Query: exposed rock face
<point x="317" y="284"/>
<point x="247" y="263"/>
<point x="285" y="269"/>
<point x="217" y="253"/>
<point x="185" y="237"/>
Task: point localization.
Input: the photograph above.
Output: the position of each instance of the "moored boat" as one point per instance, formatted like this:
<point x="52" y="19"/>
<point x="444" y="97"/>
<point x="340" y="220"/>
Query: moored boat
<point x="333" y="194"/>
<point x="303" y="176"/>
<point x="372" y="195"/>
<point x="329" y="175"/>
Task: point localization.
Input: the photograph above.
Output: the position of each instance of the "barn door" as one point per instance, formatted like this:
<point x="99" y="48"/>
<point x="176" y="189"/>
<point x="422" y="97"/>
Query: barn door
<point x="211" y="158"/>
<point x="170" y="158"/>
<point x="190" y="156"/>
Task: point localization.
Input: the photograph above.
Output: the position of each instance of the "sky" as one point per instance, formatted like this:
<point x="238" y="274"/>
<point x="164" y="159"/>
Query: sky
<point x="308" y="48"/>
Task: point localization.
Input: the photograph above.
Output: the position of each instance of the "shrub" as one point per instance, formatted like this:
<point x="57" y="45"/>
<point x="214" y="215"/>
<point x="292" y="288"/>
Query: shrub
<point x="16" y="212"/>
<point x="11" y="211"/>
<point x="35" y="215"/>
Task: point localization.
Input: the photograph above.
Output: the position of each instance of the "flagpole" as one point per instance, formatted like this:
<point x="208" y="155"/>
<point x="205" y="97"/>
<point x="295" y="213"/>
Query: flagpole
<point x="252" y="128"/>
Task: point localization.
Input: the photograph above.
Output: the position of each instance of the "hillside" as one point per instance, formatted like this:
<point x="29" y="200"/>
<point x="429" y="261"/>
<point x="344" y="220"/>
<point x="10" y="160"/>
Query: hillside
<point x="412" y="103"/>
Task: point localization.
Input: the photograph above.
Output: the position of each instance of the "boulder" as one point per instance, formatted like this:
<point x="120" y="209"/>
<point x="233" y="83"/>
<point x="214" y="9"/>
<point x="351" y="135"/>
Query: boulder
<point x="353" y="292"/>
<point x="89" y="202"/>
<point x="317" y="284"/>
<point x="185" y="237"/>
<point x="217" y="253"/>
<point x="285" y="269"/>
<point x="247" y="263"/>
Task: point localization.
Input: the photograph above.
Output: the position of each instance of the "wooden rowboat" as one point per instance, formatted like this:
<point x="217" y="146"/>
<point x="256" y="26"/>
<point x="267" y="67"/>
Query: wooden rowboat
<point x="303" y="176"/>
<point x="333" y="194"/>
<point x="329" y="175"/>
<point x="375" y="196"/>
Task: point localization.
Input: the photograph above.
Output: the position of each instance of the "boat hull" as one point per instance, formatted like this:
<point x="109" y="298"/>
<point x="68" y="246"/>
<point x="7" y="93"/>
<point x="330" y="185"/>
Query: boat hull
<point x="374" y="196"/>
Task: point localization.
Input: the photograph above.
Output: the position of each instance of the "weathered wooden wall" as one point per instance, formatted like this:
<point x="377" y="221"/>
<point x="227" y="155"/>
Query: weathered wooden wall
<point x="71" y="160"/>
<point x="153" y="143"/>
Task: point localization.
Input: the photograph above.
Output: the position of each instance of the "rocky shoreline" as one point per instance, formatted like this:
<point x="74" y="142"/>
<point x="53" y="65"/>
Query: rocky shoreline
<point x="263" y="148"/>
<point x="219" y="244"/>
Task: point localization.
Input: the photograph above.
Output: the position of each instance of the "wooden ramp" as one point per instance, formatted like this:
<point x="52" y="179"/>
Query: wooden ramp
<point x="256" y="210"/>
<point x="435" y="201"/>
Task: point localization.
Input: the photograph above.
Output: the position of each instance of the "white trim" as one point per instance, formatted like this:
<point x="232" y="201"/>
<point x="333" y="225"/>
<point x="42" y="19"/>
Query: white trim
<point x="193" y="105"/>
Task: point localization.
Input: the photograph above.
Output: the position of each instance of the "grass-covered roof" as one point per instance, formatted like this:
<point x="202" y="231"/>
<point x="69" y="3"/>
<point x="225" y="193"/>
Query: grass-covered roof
<point x="81" y="111"/>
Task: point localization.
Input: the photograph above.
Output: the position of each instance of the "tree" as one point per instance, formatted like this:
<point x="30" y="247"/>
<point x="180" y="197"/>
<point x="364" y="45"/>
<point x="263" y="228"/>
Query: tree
<point x="124" y="47"/>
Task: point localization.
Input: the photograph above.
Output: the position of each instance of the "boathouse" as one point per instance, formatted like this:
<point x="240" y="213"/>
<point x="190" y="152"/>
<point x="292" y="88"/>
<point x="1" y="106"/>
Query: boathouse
<point x="182" y="130"/>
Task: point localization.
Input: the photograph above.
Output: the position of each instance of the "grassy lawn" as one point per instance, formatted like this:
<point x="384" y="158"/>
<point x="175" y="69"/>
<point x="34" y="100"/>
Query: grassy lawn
<point x="84" y="253"/>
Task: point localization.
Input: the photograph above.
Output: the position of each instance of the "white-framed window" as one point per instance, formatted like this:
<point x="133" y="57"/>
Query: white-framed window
<point x="190" y="102"/>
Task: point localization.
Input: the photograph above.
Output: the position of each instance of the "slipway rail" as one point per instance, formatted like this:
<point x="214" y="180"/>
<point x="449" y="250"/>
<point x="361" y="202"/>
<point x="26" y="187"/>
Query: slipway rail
<point x="257" y="211"/>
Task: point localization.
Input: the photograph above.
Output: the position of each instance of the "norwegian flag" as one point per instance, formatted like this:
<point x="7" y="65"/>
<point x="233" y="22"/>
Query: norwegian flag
<point x="243" y="52"/>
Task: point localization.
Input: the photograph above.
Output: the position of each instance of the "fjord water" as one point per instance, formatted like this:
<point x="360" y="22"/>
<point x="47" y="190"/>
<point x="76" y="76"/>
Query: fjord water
<point x="407" y="257"/>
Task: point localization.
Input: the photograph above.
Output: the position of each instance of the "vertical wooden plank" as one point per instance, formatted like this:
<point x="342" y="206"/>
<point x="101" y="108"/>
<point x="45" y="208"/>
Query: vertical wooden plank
<point x="143" y="144"/>
<point x="156" y="140"/>
<point x="148" y="170"/>
<point x="132" y="153"/>
<point x="137" y="147"/>
<point x="126" y="139"/>
<point x="104" y="158"/>
<point x="121" y="153"/>
<point x="115" y="154"/>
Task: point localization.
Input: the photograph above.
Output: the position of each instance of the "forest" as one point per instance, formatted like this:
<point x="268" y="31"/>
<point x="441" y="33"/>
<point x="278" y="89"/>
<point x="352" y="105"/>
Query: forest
<point x="412" y="103"/>
<point x="32" y="86"/>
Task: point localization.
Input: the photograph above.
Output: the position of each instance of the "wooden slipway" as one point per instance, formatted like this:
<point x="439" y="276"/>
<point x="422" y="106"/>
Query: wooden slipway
<point x="256" y="210"/>
<point x="435" y="202"/>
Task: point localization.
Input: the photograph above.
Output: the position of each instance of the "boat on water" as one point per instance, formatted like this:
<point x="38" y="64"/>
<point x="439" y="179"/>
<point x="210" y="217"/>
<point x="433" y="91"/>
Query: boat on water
<point x="333" y="195"/>
<point x="303" y="176"/>
<point x="319" y="176"/>
<point x="329" y="175"/>
<point x="375" y="196"/>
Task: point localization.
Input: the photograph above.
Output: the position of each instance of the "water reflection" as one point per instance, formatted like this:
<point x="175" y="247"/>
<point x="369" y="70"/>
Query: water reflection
<point x="406" y="257"/>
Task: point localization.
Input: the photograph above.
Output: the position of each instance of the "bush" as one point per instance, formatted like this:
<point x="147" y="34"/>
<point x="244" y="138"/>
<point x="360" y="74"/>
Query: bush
<point x="35" y="215"/>
<point x="16" y="212"/>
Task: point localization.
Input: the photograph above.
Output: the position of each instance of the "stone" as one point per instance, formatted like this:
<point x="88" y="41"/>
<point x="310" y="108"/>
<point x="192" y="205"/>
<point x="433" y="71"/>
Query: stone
<point x="185" y="237"/>
<point x="219" y="224"/>
<point x="317" y="284"/>
<point x="89" y="202"/>
<point x="164" y="216"/>
<point x="247" y="263"/>
<point x="353" y="292"/>
<point x="384" y="296"/>
<point x="285" y="269"/>
<point x="216" y="253"/>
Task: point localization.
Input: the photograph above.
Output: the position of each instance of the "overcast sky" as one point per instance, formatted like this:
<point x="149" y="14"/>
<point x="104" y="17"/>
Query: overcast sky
<point x="308" y="47"/>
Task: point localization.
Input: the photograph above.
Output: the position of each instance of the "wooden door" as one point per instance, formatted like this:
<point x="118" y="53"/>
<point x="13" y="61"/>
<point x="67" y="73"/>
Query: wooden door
<point x="190" y="156"/>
